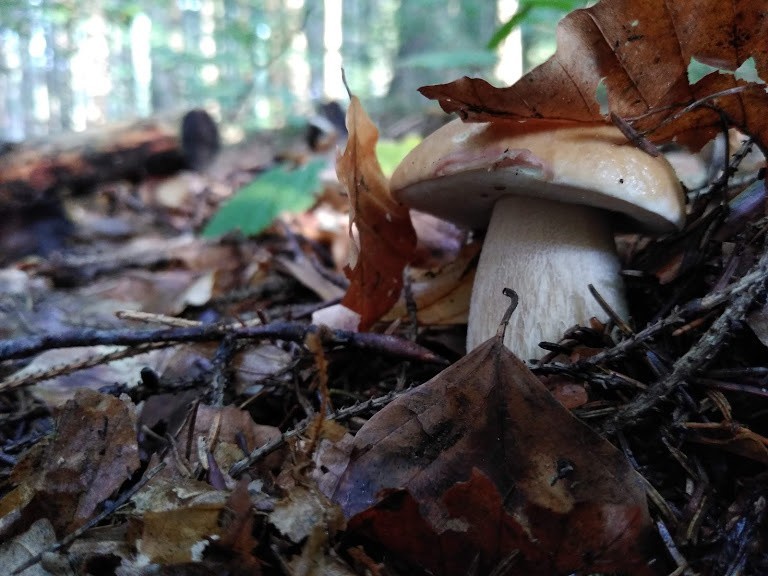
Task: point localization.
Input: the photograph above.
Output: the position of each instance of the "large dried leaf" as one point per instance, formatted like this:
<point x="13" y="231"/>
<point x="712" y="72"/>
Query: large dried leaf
<point x="495" y="464"/>
<point x="386" y="240"/>
<point x="641" y="52"/>
<point x="93" y="452"/>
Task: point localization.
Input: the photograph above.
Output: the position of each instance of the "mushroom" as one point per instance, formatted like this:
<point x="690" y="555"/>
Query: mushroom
<point x="551" y="194"/>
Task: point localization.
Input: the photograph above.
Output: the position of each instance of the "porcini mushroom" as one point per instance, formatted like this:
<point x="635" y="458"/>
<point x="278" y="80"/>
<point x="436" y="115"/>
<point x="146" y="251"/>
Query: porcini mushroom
<point x="551" y="195"/>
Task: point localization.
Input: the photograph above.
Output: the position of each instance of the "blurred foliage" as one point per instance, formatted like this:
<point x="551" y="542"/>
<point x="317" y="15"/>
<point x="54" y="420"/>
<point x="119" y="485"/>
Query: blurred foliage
<point x="254" y="63"/>
<point x="391" y="152"/>
<point x="452" y="59"/>
<point x="526" y="14"/>
<point x="273" y="192"/>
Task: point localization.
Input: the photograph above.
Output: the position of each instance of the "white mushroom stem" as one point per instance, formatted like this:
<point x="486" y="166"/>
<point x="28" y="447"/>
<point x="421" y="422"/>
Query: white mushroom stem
<point x="548" y="252"/>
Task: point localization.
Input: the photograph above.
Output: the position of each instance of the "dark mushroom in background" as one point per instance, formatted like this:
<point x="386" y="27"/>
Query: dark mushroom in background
<point x="200" y="141"/>
<point x="327" y="128"/>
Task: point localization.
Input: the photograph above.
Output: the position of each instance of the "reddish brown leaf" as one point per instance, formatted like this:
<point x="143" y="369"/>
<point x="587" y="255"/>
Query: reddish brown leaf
<point x="237" y="535"/>
<point x="641" y="52"/>
<point x="386" y="240"/>
<point x="493" y="460"/>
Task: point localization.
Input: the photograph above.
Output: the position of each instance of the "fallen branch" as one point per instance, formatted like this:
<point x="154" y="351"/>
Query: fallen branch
<point x="291" y="331"/>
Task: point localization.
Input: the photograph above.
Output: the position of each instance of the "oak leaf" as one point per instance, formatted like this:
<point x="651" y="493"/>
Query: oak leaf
<point x="641" y="52"/>
<point x="493" y="464"/>
<point x="385" y="241"/>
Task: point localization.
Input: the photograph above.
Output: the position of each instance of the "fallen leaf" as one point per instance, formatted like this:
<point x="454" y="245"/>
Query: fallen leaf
<point x="226" y="431"/>
<point x="274" y="191"/>
<point x="172" y="536"/>
<point x="386" y="240"/>
<point x="640" y="51"/>
<point x="237" y="525"/>
<point x="302" y="510"/>
<point x="493" y="460"/>
<point x="303" y="270"/>
<point x="757" y="320"/>
<point x="93" y="452"/>
<point x="19" y="550"/>
<point x="317" y="558"/>
<point x="441" y="295"/>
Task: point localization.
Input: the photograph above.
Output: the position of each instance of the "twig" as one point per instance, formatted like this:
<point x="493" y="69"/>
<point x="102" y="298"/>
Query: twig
<point x="67" y="540"/>
<point x="25" y="379"/>
<point x="679" y="316"/>
<point x="699" y="356"/>
<point x="350" y="411"/>
<point x="291" y="331"/>
<point x="221" y="365"/>
<point x="672" y="550"/>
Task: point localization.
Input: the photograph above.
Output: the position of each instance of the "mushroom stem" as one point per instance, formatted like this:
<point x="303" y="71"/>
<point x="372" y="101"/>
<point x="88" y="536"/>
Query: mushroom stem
<point x="548" y="252"/>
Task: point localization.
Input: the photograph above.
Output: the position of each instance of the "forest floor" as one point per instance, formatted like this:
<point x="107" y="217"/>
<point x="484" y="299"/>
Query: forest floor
<point x="167" y="405"/>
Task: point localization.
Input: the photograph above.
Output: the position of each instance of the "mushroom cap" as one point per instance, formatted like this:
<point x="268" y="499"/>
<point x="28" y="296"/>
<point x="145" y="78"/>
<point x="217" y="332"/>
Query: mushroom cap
<point x="461" y="170"/>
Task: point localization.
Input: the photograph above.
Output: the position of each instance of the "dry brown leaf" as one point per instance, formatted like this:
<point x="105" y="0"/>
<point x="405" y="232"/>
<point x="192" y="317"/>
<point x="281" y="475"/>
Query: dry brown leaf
<point x="641" y="52"/>
<point x="93" y="452"/>
<point x="386" y="241"/>
<point x="486" y="440"/>
<point x="222" y="429"/>
<point x="172" y="536"/>
<point x="302" y="510"/>
<point x="441" y="295"/>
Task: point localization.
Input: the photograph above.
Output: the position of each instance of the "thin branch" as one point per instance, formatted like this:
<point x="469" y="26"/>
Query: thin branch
<point x="700" y="355"/>
<point x="697" y="306"/>
<point x="108" y="510"/>
<point x="344" y="413"/>
<point x="291" y="331"/>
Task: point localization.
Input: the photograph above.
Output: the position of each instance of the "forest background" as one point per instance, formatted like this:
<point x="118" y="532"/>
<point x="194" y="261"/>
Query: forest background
<point x="70" y="65"/>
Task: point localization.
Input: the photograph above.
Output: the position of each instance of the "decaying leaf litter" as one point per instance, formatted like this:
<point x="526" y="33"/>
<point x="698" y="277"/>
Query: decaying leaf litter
<point x="239" y="455"/>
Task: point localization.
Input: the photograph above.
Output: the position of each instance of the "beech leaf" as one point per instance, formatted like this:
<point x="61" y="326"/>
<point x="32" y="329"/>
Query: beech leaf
<point x="493" y="464"/>
<point x="641" y="52"/>
<point x="386" y="240"/>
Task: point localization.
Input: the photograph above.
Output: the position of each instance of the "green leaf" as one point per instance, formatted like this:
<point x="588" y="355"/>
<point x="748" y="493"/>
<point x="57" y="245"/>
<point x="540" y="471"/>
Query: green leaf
<point x="256" y="205"/>
<point x="523" y="11"/>
<point x="506" y="29"/>
<point x="391" y="152"/>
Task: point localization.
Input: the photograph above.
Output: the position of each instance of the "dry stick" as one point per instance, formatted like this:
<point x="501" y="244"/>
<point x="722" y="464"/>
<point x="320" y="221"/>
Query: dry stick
<point x="265" y="449"/>
<point x="292" y="331"/>
<point x="20" y="380"/>
<point x="698" y="357"/>
<point x="696" y="306"/>
<point x="67" y="540"/>
<point x="221" y="366"/>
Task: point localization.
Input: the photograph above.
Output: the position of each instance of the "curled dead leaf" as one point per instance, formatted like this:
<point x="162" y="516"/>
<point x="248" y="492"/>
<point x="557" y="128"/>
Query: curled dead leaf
<point x="386" y="241"/>
<point x="640" y="52"/>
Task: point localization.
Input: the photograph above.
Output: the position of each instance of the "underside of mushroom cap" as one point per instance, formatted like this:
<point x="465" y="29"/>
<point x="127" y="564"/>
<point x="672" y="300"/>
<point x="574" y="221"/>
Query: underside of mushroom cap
<point x="461" y="170"/>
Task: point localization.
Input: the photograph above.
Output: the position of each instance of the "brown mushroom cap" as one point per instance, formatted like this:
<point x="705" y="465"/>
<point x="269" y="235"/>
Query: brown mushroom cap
<point x="461" y="170"/>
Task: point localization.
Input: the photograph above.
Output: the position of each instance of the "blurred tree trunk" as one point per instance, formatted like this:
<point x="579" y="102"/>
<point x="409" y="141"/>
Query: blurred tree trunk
<point x="11" y="112"/>
<point x="165" y="88"/>
<point x="315" y="30"/>
<point x="419" y="31"/>
<point x="422" y="29"/>
<point x="121" y="104"/>
<point x="28" y="81"/>
<point x="191" y="33"/>
<point x="229" y="48"/>
<point x="355" y="51"/>
<point x="59" y="40"/>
